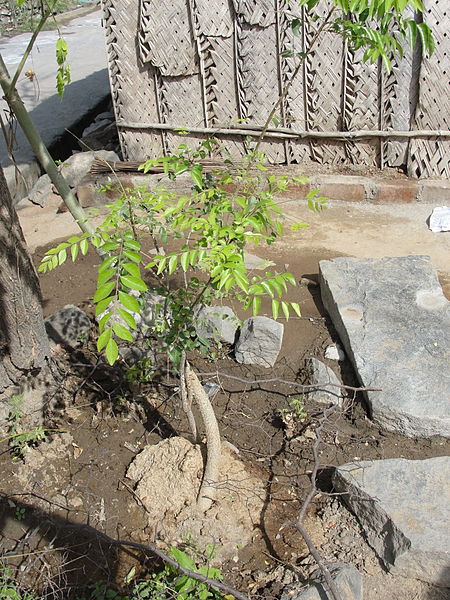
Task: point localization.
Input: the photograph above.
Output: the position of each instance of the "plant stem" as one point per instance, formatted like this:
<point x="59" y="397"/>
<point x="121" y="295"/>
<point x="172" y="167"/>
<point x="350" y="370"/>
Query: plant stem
<point x="42" y="154"/>
<point x="186" y="405"/>
<point x="207" y="492"/>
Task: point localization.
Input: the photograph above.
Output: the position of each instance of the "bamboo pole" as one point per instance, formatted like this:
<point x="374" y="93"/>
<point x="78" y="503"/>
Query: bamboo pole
<point x="40" y="150"/>
<point x="285" y="133"/>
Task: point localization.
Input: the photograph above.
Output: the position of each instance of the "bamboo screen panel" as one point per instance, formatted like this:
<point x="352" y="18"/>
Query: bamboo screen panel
<point x="204" y="64"/>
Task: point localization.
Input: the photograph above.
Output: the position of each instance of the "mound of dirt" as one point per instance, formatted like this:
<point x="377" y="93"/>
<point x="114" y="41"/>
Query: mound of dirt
<point x="168" y="477"/>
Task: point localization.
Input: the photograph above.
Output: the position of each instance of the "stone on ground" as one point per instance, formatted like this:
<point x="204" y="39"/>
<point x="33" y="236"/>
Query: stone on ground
<point x="77" y="166"/>
<point x="69" y="326"/>
<point x="346" y="578"/>
<point x="334" y="352"/>
<point x="404" y="507"/>
<point x="217" y="323"/>
<point x="394" y="322"/>
<point x="41" y="191"/>
<point x="259" y="342"/>
<point x="328" y="390"/>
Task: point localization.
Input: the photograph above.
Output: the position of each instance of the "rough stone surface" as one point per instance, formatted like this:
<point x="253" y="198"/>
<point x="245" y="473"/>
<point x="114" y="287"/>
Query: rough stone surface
<point x="404" y="507"/>
<point x="217" y="323"/>
<point x="41" y="191"/>
<point x="335" y="352"/>
<point x="347" y="579"/>
<point x="259" y="342"/>
<point x="394" y="322"/>
<point x="68" y="326"/>
<point x="320" y="373"/>
<point x="77" y="166"/>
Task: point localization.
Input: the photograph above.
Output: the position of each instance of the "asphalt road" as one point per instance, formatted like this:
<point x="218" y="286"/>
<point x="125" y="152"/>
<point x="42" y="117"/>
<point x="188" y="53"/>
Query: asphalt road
<point x="52" y="115"/>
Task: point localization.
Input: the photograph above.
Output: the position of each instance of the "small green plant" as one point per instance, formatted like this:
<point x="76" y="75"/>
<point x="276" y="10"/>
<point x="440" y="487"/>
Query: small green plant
<point x="297" y="404"/>
<point x="20" y="513"/>
<point x="19" y="441"/>
<point x="211" y="228"/>
<point x="9" y="590"/>
<point x="167" y="584"/>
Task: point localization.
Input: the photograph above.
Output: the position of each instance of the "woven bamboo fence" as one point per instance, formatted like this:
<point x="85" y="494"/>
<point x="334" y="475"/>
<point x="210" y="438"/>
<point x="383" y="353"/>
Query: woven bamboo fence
<point x="185" y="70"/>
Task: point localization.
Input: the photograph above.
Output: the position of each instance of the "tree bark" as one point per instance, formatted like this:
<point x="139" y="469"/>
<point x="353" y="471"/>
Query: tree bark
<point x="24" y="344"/>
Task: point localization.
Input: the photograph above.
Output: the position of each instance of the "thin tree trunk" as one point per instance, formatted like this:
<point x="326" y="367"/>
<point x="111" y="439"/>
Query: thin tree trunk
<point x="208" y="488"/>
<point x="23" y="340"/>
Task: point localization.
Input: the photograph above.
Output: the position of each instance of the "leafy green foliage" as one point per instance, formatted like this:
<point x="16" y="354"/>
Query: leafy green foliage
<point x="210" y="227"/>
<point x="63" y="71"/>
<point x="9" y="590"/>
<point x="377" y="26"/>
<point x="167" y="584"/>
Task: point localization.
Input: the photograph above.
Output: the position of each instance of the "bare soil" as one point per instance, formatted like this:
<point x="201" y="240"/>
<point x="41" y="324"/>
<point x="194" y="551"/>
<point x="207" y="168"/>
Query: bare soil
<point x="55" y="500"/>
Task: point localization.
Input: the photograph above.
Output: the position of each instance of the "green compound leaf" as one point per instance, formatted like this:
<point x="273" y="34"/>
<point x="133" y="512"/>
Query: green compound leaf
<point x="128" y="318"/>
<point x="104" y="339"/>
<point x="133" y="283"/>
<point x="103" y="291"/>
<point x="111" y="351"/>
<point x="122" y="332"/>
<point x="129" y="302"/>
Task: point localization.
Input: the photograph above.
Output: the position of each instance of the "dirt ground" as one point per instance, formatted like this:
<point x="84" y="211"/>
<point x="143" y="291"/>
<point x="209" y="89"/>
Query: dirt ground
<point x="101" y="423"/>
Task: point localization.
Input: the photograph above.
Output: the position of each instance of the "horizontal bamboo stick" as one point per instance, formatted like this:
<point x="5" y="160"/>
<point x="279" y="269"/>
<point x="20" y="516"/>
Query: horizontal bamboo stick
<point x="285" y="133"/>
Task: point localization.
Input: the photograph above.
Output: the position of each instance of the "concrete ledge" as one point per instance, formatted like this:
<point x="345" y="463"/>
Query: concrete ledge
<point x="376" y="190"/>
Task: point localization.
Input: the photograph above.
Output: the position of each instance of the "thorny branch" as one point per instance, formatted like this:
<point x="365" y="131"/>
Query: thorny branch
<point x="303" y="386"/>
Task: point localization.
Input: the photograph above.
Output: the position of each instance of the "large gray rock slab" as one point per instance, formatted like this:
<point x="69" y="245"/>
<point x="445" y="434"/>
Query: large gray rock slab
<point x="346" y="578"/>
<point x="259" y="342"/>
<point x="404" y="507"/>
<point x="394" y="322"/>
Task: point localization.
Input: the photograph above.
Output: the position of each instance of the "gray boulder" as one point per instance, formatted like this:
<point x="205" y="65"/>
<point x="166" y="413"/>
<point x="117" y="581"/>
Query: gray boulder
<point x="77" y="166"/>
<point x="259" y="342"/>
<point x="69" y="326"/>
<point x="218" y="323"/>
<point x="404" y="507"/>
<point x="346" y="578"/>
<point x="394" y="322"/>
<point x="320" y="374"/>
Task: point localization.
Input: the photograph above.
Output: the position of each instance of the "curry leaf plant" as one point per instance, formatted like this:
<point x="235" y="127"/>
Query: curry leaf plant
<point x="378" y="27"/>
<point x="207" y="232"/>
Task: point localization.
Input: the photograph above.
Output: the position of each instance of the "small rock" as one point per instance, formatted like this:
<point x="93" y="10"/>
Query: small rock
<point x="41" y="191"/>
<point x="335" y="352"/>
<point x="69" y="326"/>
<point x="321" y="374"/>
<point x="404" y="508"/>
<point x="211" y="388"/>
<point x="259" y="342"/>
<point x="346" y="578"/>
<point x="99" y="135"/>
<point x="218" y="323"/>
<point x="77" y="166"/>
<point x="105" y="116"/>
